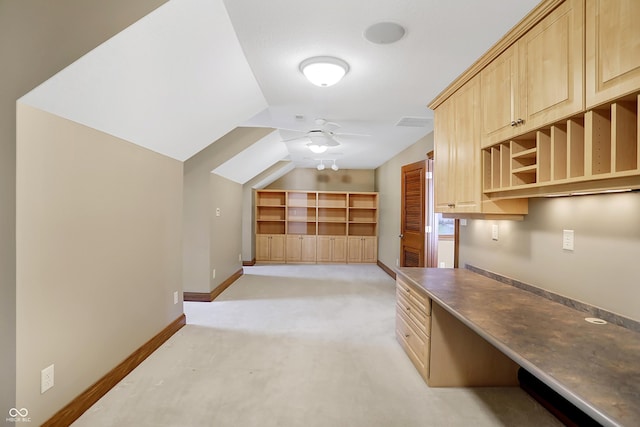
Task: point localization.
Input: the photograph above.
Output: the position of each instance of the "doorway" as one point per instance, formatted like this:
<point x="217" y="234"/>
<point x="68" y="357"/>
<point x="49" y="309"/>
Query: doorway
<point x="426" y="239"/>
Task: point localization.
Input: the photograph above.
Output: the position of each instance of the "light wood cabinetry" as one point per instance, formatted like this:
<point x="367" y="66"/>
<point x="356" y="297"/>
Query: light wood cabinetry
<point x="300" y="249"/>
<point x="446" y="352"/>
<point x="457" y="144"/>
<point x="332" y="249"/>
<point x="613" y="50"/>
<point x="317" y="226"/>
<point x="270" y="247"/>
<point x="537" y="80"/>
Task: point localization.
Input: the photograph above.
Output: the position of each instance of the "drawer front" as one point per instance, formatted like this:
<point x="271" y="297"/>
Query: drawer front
<point x="416" y="314"/>
<point x="416" y="340"/>
<point x="413" y="295"/>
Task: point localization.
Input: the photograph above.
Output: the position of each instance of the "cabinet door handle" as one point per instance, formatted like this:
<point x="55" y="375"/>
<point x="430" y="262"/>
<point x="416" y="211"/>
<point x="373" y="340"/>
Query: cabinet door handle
<point x="519" y="121"/>
<point x="514" y="123"/>
<point x="408" y="308"/>
<point x="451" y="205"/>
<point x="406" y="335"/>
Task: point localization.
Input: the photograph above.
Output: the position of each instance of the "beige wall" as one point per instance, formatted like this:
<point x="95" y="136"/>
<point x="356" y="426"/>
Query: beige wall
<point x="98" y="254"/>
<point x="199" y="204"/>
<point x="603" y="270"/>
<point x="226" y="229"/>
<point x="327" y="180"/>
<point x="388" y="184"/>
<point x="37" y="39"/>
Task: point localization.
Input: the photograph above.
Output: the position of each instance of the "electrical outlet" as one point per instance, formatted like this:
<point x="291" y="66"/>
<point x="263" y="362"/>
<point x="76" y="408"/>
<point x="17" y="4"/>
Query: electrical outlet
<point x="567" y="240"/>
<point x="213" y="274"/>
<point x="494" y="232"/>
<point x="463" y="222"/>
<point x="46" y="379"/>
<point x="175" y="297"/>
<point x="218" y="212"/>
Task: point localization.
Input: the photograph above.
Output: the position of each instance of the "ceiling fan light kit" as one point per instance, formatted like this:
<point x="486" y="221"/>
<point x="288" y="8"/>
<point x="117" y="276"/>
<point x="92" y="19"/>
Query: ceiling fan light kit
<point x="324" y="71"/>
<point x="317" y="148"/>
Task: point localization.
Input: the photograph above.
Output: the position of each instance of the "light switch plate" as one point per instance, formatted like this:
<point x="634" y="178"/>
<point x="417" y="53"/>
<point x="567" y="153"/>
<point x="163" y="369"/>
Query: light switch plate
<point x="567" y="240"/>
<point x="46" y="379"/>
<point x="494" y="232"/>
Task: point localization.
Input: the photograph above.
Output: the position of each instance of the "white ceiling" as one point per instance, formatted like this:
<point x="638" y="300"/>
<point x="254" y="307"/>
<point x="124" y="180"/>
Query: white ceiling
<point x="193" y="70"/>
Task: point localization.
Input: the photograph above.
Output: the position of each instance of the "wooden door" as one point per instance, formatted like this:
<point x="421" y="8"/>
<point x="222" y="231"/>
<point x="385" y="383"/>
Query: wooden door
<point x="550" y="65"/>
<point x="613" y="49"/>
<point x="412" y="220"/>
<point x="499" y="83"/>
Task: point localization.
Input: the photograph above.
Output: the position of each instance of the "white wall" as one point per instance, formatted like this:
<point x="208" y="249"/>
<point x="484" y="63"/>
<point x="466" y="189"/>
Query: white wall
<point x="388" y="184"/>
<point x="604" y="268"/>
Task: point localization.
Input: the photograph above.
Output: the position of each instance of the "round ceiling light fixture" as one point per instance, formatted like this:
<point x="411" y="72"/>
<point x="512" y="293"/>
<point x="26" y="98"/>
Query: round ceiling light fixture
<point x="324" y="71"/>
<point x="384" y="33"/>
<point x="317" y="148"/>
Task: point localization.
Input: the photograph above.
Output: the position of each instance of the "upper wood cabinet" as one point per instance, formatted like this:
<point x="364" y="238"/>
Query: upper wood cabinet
<point x="457" y="149"/>
<point x="613" y="49"/>
<point x="538" y="79"/>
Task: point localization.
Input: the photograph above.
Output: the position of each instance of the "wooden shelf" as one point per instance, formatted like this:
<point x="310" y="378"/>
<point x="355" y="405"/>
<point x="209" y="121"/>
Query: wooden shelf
<point x="599" y="147"/>
<point x="300" y="216"/>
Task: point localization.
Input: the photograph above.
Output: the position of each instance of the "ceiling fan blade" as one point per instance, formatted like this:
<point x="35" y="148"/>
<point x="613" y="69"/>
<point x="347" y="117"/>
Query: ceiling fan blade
<point x="350" y="134"/>
<point x="294" y="139"/>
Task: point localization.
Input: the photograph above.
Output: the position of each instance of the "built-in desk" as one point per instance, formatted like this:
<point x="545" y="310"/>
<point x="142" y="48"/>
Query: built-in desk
<point x="596" y="367"/>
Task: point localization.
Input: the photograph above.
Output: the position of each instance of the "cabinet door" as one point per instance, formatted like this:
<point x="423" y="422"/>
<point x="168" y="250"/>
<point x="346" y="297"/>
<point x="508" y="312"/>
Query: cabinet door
<point x="466" y="171"/>
<point x="293" y="249"/>
<point x="308" y="249"/>
<point x="324" y="248"/>
<point x="354" y="249"/>
<point x="339" y="249"/>
<point x="444" y="130"/>
<point x="499" y="91"/>
<point x="550" y="67"/>
<point x="276" y="249"/>
<point x="369" y="249"/>
<point x="613" y="49"/>
<point x="262" y="247"/>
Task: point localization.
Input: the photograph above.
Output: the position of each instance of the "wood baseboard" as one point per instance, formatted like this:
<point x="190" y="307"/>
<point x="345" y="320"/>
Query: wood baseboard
<point x="387" y="270"/>
<point x="210" y="296"/>
<point x="90" y="396"/>
<point x="249" y="263"/>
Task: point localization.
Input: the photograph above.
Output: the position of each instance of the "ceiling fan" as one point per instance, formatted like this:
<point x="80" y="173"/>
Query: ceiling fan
<point x="321" y="138"/>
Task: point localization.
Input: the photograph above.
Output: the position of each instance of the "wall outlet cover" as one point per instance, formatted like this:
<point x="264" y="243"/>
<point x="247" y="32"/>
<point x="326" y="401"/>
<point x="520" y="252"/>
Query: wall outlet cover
<point x="46" y="378"/>
<point x="494" y="231"/>
<point x="567" y="240"/>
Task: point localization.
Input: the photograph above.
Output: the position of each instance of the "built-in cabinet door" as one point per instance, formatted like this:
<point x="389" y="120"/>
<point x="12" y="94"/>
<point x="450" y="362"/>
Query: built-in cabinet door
<point x="262" y="247"/>
<point x="362" y="249"/>
<point x="308" y="249"/>
<point x="354" y="250"/>
<point x="293" y="249"/>
<point x="324" y="248"/>
<point x="276" y="249"/>
<point x="499" y="91"/>
<point x="613" y="49"/>
<point x="466" y="173"/>
<point x="339" y="249"/>
<point x="444" y="130"/>
<point x="550" y="65"/>
<point x="537" y="80"/>
<point x="269" y="247"/>
<point x="457" y="151"/>
<point x="369" y="249"/>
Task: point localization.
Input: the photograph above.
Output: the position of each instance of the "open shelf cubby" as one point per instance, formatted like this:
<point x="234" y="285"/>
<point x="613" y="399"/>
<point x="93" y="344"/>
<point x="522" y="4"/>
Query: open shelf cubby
<point x="332" y="200"/>
<point x="599" y="144"/>
<point x="301" y="199"/>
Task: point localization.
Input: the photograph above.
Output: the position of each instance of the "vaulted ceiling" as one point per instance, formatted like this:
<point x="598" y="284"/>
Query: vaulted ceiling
<point x="193" y="70"/>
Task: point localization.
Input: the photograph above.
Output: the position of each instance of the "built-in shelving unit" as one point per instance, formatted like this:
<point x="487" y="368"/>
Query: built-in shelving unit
<point x="317" y="226"/>
<point x="598" y="149"/>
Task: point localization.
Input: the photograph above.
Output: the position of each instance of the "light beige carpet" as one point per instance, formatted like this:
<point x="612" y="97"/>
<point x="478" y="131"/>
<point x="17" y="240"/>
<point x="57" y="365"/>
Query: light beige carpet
<point x="307" y="345"/>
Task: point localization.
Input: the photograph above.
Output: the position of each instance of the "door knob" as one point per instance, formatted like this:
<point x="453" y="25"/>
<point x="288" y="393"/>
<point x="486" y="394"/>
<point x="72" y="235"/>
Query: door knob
<point x="401" y="236"/>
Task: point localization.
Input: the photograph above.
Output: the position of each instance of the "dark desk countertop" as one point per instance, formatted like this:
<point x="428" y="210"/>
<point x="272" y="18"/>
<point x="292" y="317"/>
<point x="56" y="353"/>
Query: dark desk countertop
<point x="596" y="367"/>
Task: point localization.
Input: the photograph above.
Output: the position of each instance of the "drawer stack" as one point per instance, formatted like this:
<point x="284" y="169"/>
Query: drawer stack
<point x="413" y="325"/>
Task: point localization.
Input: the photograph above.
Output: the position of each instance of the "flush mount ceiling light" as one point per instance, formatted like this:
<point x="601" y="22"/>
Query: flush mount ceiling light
<point x="324" y="71"/>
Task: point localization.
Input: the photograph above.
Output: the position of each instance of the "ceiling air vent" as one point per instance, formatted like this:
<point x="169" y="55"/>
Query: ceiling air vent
<point x="414" y="122"/>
